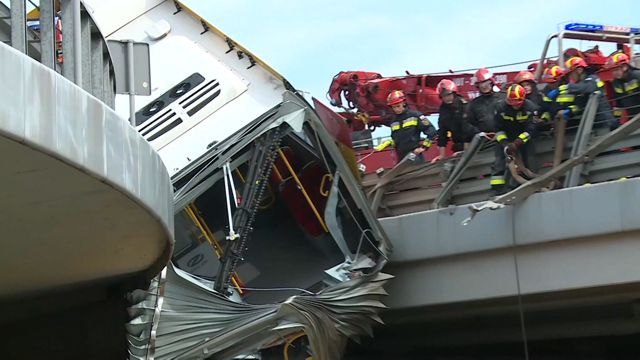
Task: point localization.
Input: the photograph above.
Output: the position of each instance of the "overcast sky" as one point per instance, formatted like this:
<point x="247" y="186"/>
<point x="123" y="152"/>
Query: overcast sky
<point x="311" y="41"/>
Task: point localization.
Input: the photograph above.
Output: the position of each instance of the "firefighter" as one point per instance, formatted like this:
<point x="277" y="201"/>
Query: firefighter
<point x="515" y="126"/>
<point x="528" y="81"/>
<point x="552" y="77"/>
<point x="452" y="119"/>
<point x="581" y="86"/>
<point x="406" y="127"/>
<point x="481" y="109"/>
<point x="626" y="83"/>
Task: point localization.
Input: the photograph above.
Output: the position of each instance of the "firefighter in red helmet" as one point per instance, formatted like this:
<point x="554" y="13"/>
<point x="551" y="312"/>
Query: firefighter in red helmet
<point x="528" y="81"/>
<point x="581" y="85"/>
<point x="626" y="83"/>
<point x="515" y="126"/>
<point x="452" y="119"/>
<point x="481" y="109"/>
<point x="406" y="128"/>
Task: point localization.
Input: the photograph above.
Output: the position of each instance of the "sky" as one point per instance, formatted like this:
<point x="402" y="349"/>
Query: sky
<point x="310" y="41"/>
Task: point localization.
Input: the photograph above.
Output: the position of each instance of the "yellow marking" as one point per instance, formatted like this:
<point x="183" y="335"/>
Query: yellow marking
<point x="304" y="191"/>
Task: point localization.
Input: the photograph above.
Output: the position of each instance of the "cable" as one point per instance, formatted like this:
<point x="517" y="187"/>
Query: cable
<point x="232" y="233"/>
<point x="517" y="270"/>
<point x="362" y="236"/>
<point x="491" y="67"/>
<point x="231" y="183"/>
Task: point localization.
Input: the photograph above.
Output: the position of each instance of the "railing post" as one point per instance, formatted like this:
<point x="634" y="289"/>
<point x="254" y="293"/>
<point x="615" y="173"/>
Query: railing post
<point x="47" y="34"/>
<point x="131" y="84"/>
<point x="560" y="50"/>
<point x="456" y="174"/>
<point x="559" y="133"/>
<point x="97" y="70"/>
<point x="77" y="43"/>
<point x="68" y="50"/>
<point x="19" y="25"/>
<point x="545" y="50"/>
<point x="85" y="51"/>
<point x="582" y="138"/>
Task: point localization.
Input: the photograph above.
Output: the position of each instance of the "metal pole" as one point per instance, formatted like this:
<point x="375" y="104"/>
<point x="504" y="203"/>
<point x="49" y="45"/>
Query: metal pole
<point x="131" y="84"/>
<point x="456" y="174"/>
<point x="632" y="43"/>
<point x="18" y="25"/>
<point x="47" y="33"/>
<point x="77" y="55"/>
<point x="582" y="139"/>
<point x="560" y="129"/>
<point x="545" y="50"/>
<point x="560" y="50"/>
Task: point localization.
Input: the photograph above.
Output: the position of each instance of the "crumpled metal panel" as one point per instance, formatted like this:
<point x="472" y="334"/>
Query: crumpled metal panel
<point x="194" y="322"/>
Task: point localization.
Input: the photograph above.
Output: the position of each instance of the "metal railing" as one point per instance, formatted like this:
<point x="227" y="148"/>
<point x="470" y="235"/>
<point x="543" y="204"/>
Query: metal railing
<point x="65" y="39"/>
<point x="582" y="137"/>
<point x="419" y="188"/>
<point x="445" y="195"/>
<point x="577" y="35"/>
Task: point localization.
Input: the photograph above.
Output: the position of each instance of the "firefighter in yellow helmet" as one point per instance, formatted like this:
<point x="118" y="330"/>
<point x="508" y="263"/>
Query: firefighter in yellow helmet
<point x="515" y="126"/>
<point x="553" y="77"/>
<point x="581" y="85"/>
<point x="406" y="128"/>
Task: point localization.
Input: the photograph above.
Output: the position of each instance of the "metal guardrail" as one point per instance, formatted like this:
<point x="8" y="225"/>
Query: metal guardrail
<point x="421" y="188"/>
<point x="444" y="196"/>
<point x="86" y="59"/>
<point x="582" y="137"/>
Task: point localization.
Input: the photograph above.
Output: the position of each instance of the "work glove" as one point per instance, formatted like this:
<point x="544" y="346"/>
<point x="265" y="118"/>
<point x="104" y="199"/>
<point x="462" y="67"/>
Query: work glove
<point x="512" y="148"/>
<point x="436" y="159"/>
<point x="383" y="145"/>
<point x="566" y="114"/>
<point x="553" y="94"/>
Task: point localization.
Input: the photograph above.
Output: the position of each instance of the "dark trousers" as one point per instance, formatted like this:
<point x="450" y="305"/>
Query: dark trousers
<point x="501" y="179"/>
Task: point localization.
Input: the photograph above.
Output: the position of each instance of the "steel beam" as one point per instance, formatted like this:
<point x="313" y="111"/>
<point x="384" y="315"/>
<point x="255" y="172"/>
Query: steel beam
<point x="97" y="68"/>
<point x="47" y="34"/>
<point x="19" y="25"/>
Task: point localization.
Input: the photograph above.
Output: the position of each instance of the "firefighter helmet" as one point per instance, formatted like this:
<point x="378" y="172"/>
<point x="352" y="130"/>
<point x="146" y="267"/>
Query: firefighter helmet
<point x="574" y="63"/>
<point x="446" y="87"/>
<point x="552" y="74"/>
<point x="396" y="97"/>
<point x="515" y="94"/>
<point x="524" y="75"/>
<point x="483" y="74"/>
<point x="616" y="60"/>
